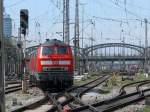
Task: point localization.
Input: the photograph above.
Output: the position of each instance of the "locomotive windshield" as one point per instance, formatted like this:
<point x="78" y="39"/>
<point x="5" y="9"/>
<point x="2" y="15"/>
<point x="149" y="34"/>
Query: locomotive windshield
<point x="47" y="51"/>
<point x="54" y="50"/>
<point x="62" y="50"/>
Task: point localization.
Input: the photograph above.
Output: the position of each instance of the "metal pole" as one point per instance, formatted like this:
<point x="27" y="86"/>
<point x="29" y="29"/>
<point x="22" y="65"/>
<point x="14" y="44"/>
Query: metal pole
<point x="123" y="53"/>
<point x="76" y="35"/>
<point x="83" y="64"/>
<point x="24" y="81"/>
<point x="92" y="27"/>
<point x="2" y="66"/>
<point x="64" y="17"/>
<point x="82" y="25"/>
<point x="66" y="33"/>
<point x="77" y="24"/>
<point x="123" y="49"/>
<point x="83" y="4"/>
<point x="146" y="45"/>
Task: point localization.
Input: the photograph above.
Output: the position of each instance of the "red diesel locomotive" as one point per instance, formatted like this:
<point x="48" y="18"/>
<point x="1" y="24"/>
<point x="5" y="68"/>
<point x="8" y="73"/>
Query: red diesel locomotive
<point x="51" y="65"/>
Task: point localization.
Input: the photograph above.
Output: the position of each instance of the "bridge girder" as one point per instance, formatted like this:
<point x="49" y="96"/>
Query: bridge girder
<point x="87" y="50"/>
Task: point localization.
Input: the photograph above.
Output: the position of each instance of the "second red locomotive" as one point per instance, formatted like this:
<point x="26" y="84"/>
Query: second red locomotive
<point x="51" y="65"/>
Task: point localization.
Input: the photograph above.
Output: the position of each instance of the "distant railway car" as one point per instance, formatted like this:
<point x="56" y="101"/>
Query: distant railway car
<point x="51" y="65"/>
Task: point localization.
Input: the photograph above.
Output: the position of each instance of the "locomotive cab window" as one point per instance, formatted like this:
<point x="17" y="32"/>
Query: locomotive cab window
<point x="62" y="50"/>
<point x="47" y="51"/>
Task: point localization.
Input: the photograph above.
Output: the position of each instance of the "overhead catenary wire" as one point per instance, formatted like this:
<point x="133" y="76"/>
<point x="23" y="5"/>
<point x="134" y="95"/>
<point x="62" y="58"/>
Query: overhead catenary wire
<point x="57" y="4"/>
<point x="128" y="11"/>
<point x="109" y="19"/>
<point x="15" y="4"/>
<point x="122" y="4"/>
<point x="125" y="20"/>
<point x="132" y="5"/>
<point x="121" y="20"/>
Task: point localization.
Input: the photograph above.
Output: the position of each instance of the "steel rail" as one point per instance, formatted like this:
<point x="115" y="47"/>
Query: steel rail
<point x="72" y="98"/>
<point x="31" y="106"/>
<point x="141" y="84"/>
<point x="126" y="101"/>
<point x="55" y="105"/>
<point x="12" y="82"/>
<point x="122" y="90"/>
<point x="79" y="95"/>
<point x="116" y="102"/>
<point x="83" y="85"/>
<point x="77" y="87"/>
<point x="7" y="88"/>
<point x="90" y="107"/>
<point x="14" y="89"/>
<point x="123" y="103"/>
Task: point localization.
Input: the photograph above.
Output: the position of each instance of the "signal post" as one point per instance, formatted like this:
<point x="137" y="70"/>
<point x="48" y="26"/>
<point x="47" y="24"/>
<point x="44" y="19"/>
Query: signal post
<point x="23" y="33"/>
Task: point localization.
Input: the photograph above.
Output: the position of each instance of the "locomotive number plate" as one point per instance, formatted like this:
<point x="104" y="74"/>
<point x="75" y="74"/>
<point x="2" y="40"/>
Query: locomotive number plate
<point x="55" y="62"/>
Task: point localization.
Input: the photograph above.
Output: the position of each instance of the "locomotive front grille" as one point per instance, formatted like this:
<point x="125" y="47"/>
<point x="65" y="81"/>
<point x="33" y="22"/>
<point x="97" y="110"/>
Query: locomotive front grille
<point x="54" y="69"/>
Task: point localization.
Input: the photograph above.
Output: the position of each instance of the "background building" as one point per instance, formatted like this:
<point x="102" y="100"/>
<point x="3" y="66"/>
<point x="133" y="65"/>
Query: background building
<point x="7" y="26"/>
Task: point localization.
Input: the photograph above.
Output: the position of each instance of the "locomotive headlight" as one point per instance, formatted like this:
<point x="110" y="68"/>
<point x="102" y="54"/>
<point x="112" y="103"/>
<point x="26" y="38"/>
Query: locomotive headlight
<point x="64" y="62"/>
<point x="46" y="62"/>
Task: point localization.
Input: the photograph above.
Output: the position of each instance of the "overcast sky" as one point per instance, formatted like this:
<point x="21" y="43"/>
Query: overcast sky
<point x="113" y="19"/>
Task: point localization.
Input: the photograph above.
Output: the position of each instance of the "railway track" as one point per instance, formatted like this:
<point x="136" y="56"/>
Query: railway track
<point x="14" y="88"/>
<point x="53" y="99"/>
<point x="122" y="90"/>
<point x="12" y="82"/>
<point x="121" y="100"/>
<point x="71" y="98"/>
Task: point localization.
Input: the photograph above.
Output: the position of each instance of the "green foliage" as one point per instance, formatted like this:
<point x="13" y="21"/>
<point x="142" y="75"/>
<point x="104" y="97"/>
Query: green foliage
<point x="141" y="71"/>
<point x="113" y="81"/>
<point x="146" y="109"/>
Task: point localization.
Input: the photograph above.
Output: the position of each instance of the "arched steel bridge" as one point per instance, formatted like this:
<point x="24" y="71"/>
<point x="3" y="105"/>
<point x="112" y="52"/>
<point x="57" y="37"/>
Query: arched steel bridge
<point x="99" y="46"/>
<point x="87" y="53"/>
<point x="32" y="48"/>
<point x="110" y="52"/>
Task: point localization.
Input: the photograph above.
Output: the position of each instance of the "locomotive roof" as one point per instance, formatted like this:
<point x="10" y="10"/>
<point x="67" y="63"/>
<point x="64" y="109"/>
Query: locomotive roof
<point x="53" y="42"/>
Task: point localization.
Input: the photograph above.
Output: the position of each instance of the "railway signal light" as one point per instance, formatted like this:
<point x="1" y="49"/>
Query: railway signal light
<point x="24" y="19"/>
<point x="19" y="44"/>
